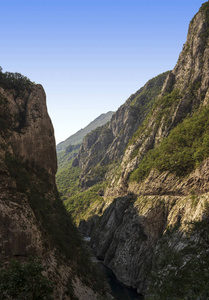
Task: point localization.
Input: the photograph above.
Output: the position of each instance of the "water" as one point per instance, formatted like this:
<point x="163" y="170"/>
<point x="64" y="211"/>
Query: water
<point x="119" y="290"/>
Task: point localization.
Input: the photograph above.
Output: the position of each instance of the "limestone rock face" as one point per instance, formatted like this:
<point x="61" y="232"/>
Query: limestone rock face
<point x="27" y="137"/>
<point x="161" y="213"/>
<point x="32" y="217"/>
<point x="106" y="144"/>
<point x="190" y="80"/>
<point x="129" y="234"/>
<point x="31" y="130"/>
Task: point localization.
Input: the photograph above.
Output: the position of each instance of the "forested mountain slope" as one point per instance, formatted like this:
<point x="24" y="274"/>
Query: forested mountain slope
<point x="141" y="182"/>
<point x="66" y="178"/>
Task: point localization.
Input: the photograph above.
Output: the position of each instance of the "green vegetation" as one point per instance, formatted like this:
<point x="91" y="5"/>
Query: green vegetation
<point x="51" y="213"/>
<point x="205" y="8"/>
<point x="167" y="101"/>
<point x="80" y="204"/>
<point x="163" y="106"/>
<point x="144" y="98"/>
<point x="67" y="177"/>
<point x="14" y="81"/>
<point x="181" y="274"/>
<point x="53" y="219"/>
<point x="144" y="103"/>
<point x="84" y="204"/>
<point x="17" y="84"/>
<point x="66" y="157"/>
<point x="99" y="172"/>
<point x="68" y="181"/>
<point x="5" y="115"/>
<point x="184" y="149"/>
<point x="24" y="281"/>
<point x="78" y="136"/>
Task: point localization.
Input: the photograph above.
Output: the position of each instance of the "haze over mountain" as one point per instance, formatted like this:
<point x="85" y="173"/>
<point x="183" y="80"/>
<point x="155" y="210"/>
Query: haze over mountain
<point x="137" y="188"/>
<point x="79" y="135"/>
<point x="139" y="184"/>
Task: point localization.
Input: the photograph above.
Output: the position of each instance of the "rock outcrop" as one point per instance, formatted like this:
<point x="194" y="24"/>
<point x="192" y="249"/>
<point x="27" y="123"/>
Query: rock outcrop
<point x="33" y="221"/>
<point x="106" y="144"/>
<point x="31" y="132"/>
<point x="151" y="228"/>
<point x="77" y="137"/>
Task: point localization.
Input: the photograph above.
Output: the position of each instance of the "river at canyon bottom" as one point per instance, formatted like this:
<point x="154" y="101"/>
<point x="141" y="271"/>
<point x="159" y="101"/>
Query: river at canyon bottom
<point x="118" y="290"/>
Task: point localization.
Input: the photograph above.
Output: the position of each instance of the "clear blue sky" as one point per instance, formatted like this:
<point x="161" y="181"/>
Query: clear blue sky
<point x="90" y="55"/>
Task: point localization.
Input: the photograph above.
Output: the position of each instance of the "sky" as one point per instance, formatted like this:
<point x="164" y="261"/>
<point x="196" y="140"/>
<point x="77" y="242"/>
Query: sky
<point x="91" y="55"/>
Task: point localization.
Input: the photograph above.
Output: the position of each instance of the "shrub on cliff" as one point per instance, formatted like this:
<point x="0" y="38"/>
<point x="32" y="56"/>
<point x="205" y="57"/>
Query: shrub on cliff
<point x="24" y="281"/>
<point x="15" y="81"/>
<point x="184" y="149"/>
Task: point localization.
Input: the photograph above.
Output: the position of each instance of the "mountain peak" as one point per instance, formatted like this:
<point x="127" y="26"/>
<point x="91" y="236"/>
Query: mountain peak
<point x="191" y="70"/>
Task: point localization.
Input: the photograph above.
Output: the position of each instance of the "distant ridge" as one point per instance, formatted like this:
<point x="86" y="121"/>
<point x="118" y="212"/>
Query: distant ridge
<point x="77" y="137"/>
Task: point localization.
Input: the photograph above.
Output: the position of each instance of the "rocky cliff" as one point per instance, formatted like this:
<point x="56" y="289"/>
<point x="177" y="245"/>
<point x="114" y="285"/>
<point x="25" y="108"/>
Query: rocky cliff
<point x="106" y="144"/>
<point x="77" y="137"/>
<point x="33" y="221"/>
<point x="149" y="169"/>
<point x="68" y="150"/>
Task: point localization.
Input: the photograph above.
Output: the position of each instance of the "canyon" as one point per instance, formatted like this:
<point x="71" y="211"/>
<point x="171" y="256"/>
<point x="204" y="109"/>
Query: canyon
<point x="139" y="184"/>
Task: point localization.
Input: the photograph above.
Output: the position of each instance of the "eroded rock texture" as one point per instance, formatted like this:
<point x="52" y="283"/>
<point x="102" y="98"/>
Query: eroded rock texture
<point x="152" y="232"/>
<point x="33" y="221"/>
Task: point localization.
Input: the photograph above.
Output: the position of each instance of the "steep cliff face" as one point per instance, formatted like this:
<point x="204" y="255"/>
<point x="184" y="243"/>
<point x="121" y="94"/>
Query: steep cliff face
<point x="29" y="118"/>
<point x="33" y="221"/>
<point x="77" y="137"/>
<point x="146" y="237"/>
<point x="185" y="90"/>
<point x="151" y="228"/>
<point x="106" y="145"/>
<point x="23" y="145"/>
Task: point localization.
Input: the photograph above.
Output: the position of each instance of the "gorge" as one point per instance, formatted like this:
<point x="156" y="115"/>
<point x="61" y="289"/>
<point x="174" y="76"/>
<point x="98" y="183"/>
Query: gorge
<point x="136" y="184"/>
<point x="139" y="184"/>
